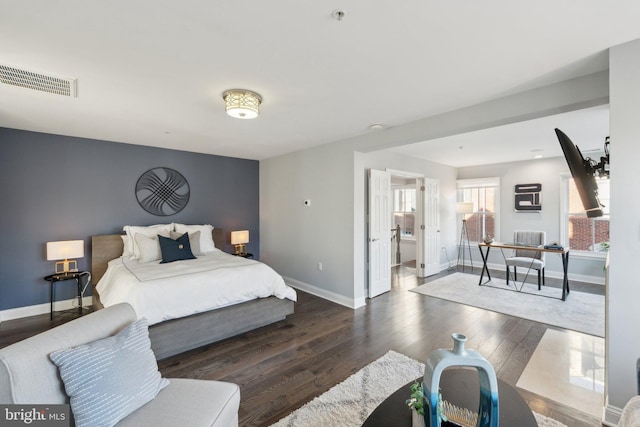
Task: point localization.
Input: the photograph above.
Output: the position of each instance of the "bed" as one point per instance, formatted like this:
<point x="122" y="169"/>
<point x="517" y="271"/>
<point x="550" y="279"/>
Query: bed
<point x="178" y="334"/>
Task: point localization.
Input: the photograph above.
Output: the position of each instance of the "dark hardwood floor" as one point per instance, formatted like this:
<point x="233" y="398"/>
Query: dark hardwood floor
<point x="282" y="366"/>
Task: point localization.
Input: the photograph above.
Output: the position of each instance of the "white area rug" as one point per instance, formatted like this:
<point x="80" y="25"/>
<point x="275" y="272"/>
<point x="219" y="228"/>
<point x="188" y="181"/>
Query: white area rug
<point x="349" y="403"/>
<point x="580" y="312"/>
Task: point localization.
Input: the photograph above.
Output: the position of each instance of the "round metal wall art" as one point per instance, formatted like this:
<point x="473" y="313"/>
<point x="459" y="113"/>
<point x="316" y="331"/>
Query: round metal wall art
<point x="162" y="191"/>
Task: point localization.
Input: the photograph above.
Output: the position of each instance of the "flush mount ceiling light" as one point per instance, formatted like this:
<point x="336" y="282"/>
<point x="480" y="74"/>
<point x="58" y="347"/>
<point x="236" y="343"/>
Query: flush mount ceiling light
<point x="242" y="104"/>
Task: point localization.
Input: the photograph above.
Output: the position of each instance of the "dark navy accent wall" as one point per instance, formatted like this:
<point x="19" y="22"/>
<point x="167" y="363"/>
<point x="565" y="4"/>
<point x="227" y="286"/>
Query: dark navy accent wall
<point x="63" y="188"/>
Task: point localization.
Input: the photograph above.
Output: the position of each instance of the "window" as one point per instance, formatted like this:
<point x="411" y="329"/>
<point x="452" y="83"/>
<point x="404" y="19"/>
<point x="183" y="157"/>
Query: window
<point x="404" y="210"/>
<point x="582" y="233"/>
<point x="484" y="194"/>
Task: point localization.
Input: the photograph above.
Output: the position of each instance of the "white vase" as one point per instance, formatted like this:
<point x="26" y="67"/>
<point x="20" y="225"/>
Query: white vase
<point x="417" y="420"/>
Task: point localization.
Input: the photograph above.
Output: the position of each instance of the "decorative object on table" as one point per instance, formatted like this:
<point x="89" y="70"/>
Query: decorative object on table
<point x="242" y="103"/>
<point x="441" y="359"/>
<point x="417" y="420"/>
<point x="351" y="402"/>
<point x="416" y="403"/>
<point x="488" y="240"/>
<point x="64" y="250"/>
<point x="556" y="246"/>
<point x="464" y="208"/>
<point x="162" y="191"/>
<point x="240" y="239"/>
<point x="527" y="197"/>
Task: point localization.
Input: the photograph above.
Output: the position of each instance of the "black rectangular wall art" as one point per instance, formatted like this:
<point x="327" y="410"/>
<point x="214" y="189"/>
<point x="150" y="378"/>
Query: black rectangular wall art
<point x="527" y="197"/>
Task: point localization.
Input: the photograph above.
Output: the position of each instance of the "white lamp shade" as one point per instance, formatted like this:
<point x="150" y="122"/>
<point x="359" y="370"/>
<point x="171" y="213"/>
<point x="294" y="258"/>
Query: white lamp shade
<point x="239" y="237"/>
<point x="65" y="249"/>
<point x="464" y="207"/>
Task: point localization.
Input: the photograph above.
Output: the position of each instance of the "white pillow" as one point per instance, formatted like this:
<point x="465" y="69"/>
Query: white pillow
<point x="206" y="238"/>
<point x="127" y="246"/>
<point x="149" y="248"/>
<point x="194" y="241"/>
<point x="149" y="231"/>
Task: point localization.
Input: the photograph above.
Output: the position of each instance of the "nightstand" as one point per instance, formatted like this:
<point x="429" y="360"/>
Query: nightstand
<point x="247" y="255"/>
<point x="61" y="277"/>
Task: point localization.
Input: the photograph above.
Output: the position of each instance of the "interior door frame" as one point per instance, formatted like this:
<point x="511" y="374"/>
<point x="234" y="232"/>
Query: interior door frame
<point x="420" y="255"/>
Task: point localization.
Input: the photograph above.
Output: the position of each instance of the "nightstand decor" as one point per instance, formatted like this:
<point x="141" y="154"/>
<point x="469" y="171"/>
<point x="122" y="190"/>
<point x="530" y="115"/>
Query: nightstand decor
<point x="240" y="240"/>
<point x="65" y="250"/>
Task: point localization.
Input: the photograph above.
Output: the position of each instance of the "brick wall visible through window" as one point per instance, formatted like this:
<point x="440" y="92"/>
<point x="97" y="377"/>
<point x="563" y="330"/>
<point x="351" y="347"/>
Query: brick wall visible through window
<point x="484" y="195"/>
<point x="582" y="233"/>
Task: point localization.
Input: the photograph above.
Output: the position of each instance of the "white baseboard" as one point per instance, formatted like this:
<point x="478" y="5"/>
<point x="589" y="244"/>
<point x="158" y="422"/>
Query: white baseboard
<point x="323" y="293"/>
<point x="611" y="415"/>
<point x="34" y="310"/>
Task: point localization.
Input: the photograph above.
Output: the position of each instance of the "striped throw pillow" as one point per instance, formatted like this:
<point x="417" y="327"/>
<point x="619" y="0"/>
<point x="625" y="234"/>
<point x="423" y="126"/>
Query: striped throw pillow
<point x="108" y="379"/>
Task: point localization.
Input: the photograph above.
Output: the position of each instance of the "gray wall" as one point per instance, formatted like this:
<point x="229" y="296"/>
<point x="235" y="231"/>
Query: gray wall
<point x="547" y="172"/>
<point x="63" y="188"/>
<point x="333" y="176"/>
<point x="623" y="289"/>
<point x="297" y="237"/>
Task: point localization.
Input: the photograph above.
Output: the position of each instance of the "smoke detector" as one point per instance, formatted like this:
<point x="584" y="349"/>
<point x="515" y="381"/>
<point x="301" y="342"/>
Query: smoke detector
<point x="28" y="79"/>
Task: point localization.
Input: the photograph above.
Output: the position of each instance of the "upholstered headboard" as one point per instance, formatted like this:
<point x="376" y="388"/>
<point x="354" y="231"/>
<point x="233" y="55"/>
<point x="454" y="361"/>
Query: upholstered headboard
<point x="105" y="247"/>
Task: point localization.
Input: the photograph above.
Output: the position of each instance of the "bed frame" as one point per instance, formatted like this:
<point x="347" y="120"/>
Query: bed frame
<point x="179" y="335"/>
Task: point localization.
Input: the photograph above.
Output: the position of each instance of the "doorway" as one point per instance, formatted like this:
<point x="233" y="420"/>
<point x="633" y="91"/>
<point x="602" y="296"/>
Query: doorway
<point x="403" y="234"/>
<point x="412" y="216"/>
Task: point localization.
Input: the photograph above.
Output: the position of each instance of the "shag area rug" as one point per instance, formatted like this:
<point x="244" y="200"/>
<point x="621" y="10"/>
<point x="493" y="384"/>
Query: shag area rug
<point x="580" y="312"/>
<point x="349" y="403"/>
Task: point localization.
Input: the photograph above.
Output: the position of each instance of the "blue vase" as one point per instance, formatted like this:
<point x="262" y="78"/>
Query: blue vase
<point x="441" y="359"/>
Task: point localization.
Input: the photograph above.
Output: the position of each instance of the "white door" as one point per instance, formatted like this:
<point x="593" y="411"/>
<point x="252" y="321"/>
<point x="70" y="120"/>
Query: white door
<point x="380" y="220"/>
<point x="428" y="233"/>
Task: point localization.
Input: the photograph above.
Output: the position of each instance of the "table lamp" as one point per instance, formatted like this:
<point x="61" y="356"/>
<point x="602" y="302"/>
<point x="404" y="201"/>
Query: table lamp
<point x="64" y="250"/>
<point x="240" y="239"/>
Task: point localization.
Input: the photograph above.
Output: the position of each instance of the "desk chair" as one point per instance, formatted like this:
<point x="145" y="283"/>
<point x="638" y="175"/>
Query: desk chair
<point x="527" y="258"/>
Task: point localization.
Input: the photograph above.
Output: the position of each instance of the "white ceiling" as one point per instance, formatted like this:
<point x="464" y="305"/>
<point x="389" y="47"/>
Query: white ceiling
<point x="153" y="72"/>
<point x="587" y="129"/>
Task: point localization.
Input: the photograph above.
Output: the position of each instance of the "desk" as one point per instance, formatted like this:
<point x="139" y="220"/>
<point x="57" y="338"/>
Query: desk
<point x="564" y="253"/>
<point x="75" y="275"/>
<point x="459" y="387"/>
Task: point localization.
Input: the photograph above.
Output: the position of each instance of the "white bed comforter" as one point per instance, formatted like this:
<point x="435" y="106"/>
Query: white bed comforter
<point x="167" y="291"/>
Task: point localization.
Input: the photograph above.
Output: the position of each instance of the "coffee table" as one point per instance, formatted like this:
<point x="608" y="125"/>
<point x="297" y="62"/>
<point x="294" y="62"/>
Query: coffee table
<point x="460" y="387"/>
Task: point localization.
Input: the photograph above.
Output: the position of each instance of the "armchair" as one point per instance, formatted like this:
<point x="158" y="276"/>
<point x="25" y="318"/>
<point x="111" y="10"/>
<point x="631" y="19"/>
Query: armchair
<point x="28" y="376"/>
<point x="527" y="258"/>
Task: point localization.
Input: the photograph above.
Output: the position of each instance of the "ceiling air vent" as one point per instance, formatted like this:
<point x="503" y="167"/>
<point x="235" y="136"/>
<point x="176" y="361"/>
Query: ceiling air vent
<point x="37" y="81"/>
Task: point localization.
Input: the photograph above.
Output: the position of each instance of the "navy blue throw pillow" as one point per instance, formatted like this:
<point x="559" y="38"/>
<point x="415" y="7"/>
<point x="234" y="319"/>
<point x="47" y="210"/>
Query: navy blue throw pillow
<point x="175" y="250"/>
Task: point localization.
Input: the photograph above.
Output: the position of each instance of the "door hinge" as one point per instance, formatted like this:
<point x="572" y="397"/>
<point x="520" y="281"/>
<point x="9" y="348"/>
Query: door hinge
<point x="422" y="227"/>
<point x="422" y="188"/>
<point x="421" y="265"/>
